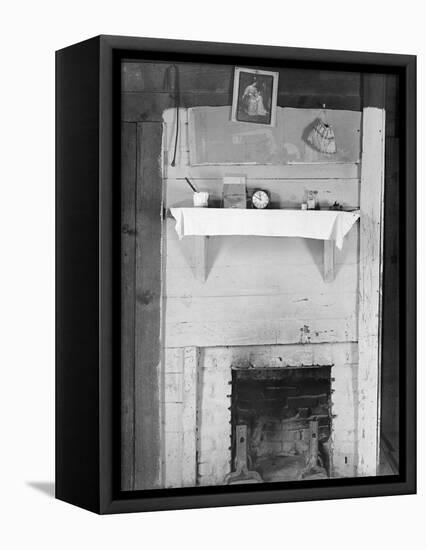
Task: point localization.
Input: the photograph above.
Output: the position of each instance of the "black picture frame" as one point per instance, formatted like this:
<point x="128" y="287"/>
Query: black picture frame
<point x="87" y="300"/>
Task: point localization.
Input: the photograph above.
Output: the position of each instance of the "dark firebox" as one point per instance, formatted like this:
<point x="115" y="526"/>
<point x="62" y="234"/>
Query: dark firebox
<point x="285" y="413"/>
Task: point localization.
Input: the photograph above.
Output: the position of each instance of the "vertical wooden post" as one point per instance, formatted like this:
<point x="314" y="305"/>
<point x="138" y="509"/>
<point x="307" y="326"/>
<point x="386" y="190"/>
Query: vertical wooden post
<point x="370" y="283"/>
<point x="149" y="205"/>
<point x="189" y="416"/>
<point x="128" y="241"/>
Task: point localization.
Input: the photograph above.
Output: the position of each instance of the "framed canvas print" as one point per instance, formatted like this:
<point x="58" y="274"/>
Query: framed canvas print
<point x="235" y="274"/>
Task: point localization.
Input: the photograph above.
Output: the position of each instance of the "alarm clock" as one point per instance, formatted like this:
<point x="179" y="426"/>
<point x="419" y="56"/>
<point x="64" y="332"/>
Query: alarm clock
<point x="260" y="199"/>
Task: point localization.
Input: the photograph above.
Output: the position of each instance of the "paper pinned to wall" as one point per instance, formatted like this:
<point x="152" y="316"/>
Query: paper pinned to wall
<point x="214" y="139"/>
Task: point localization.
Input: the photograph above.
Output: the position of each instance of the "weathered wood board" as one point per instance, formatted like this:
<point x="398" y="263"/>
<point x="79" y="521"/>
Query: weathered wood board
<point x="214" y="309"/>
<point x="271" y="332"/>
<point x="284" y="193"/>
<point x="150" y="87"/>
<point x="153" y="76"/>
<point x="318" y="172"/>
<point x="128" y="270"/>
<point x="370" y="289"/>
<point x="225" y="279"/>
<point x="147" y="205"/>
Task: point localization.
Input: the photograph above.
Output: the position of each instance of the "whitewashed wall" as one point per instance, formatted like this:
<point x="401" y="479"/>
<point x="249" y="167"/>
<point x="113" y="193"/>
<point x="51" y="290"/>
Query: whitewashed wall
<point x="263" y="299"/>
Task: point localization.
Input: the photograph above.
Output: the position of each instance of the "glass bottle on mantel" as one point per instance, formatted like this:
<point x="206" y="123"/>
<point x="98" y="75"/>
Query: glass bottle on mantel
<point x="311" y="200"/>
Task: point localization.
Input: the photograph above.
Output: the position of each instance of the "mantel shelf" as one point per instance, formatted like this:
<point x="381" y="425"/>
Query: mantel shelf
<point x="330" y="226"/>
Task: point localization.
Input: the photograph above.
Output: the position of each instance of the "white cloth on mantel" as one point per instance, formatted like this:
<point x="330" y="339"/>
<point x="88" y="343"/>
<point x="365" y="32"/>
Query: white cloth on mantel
<point x="310" y="224"/>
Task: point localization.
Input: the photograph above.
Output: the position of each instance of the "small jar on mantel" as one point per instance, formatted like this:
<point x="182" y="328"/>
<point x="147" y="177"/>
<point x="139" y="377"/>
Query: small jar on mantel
<point x="311" y="200"/>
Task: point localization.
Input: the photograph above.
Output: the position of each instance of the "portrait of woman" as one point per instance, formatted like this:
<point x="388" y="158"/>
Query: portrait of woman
<point x="255" y="96"/>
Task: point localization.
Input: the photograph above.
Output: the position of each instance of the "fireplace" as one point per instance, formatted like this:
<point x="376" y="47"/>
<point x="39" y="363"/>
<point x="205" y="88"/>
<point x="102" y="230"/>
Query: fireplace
<point x="294" y="406"/>
<point x="281" y="423"/>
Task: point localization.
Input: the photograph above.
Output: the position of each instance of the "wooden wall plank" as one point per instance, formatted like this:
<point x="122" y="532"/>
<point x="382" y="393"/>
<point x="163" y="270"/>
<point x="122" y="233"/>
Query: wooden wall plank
<point x="270" y="252"/>
<point x="311" y="101"/>
<point x="245" y="280"/>
<point x="392" y="105"/>
<point x="310" y="304"/>
<point x="318" y="172"/>
<point x="370" y="288"/>
<point x="149" y="204"/>
<point x="128" y="241"/>
<point x="151" y="76"/>
<point x="374" y="91"/>
<point x="281" y="355"/>
<point x="253" y="332"/>
<point x="299" y="88"/>
<point x="149" y="106"/>
<point x="284" y="193"/>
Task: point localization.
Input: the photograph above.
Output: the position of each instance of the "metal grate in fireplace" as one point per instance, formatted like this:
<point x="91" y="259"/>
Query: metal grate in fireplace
<point x="281" y="423"/>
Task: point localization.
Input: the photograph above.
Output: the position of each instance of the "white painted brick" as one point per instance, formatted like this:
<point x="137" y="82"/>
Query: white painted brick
<point x="204" y="469"/>
<point x="173" y="387"/>
<point x="344" y="464"/>
<point x="173" y="417"/>
<point x="173" y="360"/>
<point x="173" y="459"/>
<point x="214" y="442"/>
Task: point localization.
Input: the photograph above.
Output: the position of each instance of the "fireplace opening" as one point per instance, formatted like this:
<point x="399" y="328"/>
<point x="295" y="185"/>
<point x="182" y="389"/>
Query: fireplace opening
<point x="281" y="423"/>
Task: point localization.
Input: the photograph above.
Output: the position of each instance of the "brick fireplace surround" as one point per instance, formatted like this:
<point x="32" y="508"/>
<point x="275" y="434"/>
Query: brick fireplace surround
<point x="198" y="397"/>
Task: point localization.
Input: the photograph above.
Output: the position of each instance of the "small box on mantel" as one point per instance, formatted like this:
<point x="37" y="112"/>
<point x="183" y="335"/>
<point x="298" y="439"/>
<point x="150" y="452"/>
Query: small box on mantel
<point x="234" y="193"/>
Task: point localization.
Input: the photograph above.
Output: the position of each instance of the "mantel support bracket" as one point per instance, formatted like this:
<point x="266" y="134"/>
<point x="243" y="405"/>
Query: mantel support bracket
<point x="201" y="257"/>
<point x="329" y="249"/>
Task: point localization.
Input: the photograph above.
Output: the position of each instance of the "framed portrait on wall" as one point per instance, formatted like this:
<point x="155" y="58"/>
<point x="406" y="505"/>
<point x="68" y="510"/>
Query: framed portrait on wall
<point x="255" y="96"/>
<point x="213" y="356"/>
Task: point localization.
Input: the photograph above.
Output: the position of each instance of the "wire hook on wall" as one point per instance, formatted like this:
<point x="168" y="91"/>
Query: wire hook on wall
<point x="176" y="88"/>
